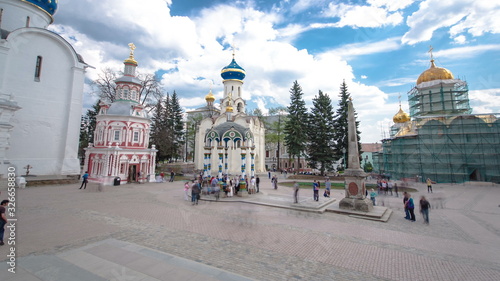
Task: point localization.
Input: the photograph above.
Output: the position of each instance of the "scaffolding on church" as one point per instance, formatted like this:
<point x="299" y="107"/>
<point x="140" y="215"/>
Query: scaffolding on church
<point x="452" y="99"/>
<point x="451" y="149"/>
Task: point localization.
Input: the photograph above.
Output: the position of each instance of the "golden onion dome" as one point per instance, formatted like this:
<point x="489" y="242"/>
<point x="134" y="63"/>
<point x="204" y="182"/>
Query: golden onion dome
<point x="434" y="73"/>
<point x="131" y="60"/>
<point x="401" y="116"/>
<point x="210" y="97"/>
<point x="229" y="108"/>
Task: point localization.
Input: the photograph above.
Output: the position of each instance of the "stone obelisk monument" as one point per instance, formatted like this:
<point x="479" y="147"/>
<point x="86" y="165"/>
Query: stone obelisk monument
<point x="355" y="190"/>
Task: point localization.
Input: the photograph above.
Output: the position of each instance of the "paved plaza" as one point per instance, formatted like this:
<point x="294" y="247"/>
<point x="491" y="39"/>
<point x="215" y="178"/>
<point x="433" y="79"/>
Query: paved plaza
<point x="148" y="232"/>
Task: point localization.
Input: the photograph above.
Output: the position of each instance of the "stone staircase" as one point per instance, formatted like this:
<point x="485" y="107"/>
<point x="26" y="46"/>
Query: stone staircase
<point x="50" y="180"/>
<point x="378" y="213"/>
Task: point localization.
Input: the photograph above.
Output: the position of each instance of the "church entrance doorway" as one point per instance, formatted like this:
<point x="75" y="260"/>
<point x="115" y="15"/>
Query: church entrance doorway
<point x="475" y="175"/>
<point x="132" y="173"/>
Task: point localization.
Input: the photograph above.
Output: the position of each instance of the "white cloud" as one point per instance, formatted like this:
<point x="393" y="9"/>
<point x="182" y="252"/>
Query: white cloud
<point x="484" y="16"/>
<point x="485" y="101"/>
<point x="398" y="81"/>
<point x="466" y="51"/>
<point x="302" y="5"/>
<point x="362" y="16"/>
<point x="391" y="5"/>
<point x="461" y="39"/>
<point x="474" y="17"/>
<point x="364" y="77"/>
<point x="364" y="48"/>
<point x="195" y="49"/>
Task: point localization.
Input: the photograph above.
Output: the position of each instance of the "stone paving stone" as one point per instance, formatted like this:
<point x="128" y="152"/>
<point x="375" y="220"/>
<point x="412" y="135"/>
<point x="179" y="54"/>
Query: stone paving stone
<point x="19" y="275"/>
<point x="264" y="243"/>
<point x="53" y="268"/>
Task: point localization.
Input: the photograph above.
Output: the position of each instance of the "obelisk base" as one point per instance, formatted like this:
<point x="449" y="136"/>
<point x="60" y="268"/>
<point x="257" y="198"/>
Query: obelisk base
<point x="363" y="205"/>
<point x="355" y="192"/>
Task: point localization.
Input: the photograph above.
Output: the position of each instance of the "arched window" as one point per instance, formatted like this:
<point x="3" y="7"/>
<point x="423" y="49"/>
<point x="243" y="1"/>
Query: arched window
<point x="38" y="68"/>
<point x="125" y="94"/>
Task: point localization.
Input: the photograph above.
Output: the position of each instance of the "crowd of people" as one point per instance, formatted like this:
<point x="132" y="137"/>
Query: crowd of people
<point x="232" y="186"/>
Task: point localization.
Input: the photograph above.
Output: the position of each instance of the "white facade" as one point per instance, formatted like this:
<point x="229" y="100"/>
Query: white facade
<point x="229" y="141"/>
<point x="45" y="77"/>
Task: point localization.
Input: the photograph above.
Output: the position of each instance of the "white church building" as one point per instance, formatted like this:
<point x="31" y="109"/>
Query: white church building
<point x="228" y="141"/>
<point x="41" y="86"/>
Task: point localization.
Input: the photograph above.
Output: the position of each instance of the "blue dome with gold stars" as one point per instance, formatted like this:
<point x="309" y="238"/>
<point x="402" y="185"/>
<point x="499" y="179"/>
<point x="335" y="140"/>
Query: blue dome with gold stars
<point x="49" y="6"/>
<point x="233" y="72"/>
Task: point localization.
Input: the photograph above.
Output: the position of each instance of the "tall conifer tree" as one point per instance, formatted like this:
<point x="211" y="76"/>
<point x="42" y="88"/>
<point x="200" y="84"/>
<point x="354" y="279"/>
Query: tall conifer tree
<point x="321" y="133"/>
<point x="340" y="126"/>
<point x="87" y="128"/>
<point x="296" y="125"/>
<point x="157" y="134"/>
<point x="177" y="128"/>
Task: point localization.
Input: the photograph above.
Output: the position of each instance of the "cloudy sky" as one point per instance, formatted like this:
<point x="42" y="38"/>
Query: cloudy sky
<point x="379" y="47"/>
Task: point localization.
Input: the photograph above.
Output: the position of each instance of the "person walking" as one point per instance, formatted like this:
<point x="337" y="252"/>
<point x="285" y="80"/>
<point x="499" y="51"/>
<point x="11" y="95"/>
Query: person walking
<point x="411" y="207"/>
<point x="396" y="189"/>
<point x="328" y="187"/>
<point x="84" y="180"/>
<point x="172" y="175"/>
<point x="296" y="191"/>
<point x="389" y="186"/>
<point x="316" y="190"/>
<point x="186" y="191"/>
<point x="3" y="219"/>
<point x="257" y="182"/>
<point x="252" y="188"/>
<point x="195" y="192"/>
<point x="429" y="185"/>
<point x="384" y="187"/>
<point x="214" y="182"/>
<point x="274" y="180"/>
<point x="373" y="194"/>
<point x="405" y="199"/>
<point x="424" y="209"/>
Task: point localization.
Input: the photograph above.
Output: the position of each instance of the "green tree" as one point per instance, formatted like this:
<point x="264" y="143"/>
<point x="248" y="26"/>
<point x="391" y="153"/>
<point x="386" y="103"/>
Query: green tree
<point x="275" y="135"/>
<point x="158" y="133"/>
<point x="368" y="167"/>
<point x="340" y="127"/>
<point x="193" y="121"/>
<point x="177" y="128"/>
<point x="87" y="128"/>
<point x="296" y="125"/>
<point x="167" y="128"/>
<point x="320" y="132"/>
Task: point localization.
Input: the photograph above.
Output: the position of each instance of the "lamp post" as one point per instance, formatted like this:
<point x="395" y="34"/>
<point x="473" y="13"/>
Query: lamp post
<point x="344" y="164"/>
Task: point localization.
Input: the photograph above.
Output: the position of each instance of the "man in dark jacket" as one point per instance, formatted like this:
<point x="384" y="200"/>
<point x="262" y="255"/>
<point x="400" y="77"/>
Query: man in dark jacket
<point x="195" y="192"/>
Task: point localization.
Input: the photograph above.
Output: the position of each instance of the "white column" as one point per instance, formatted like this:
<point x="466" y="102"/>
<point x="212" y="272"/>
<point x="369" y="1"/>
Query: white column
<point x="243" y="162"/>
<point x="221" y="154"/>
<point x="252" y="163"/>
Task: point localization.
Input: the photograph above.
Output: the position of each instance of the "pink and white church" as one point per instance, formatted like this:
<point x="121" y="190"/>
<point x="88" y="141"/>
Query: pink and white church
<point x="121" y="138"/>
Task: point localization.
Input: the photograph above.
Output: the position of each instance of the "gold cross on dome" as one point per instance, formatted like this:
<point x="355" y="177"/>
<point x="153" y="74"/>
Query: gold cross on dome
<point x="234" y="49"/>
<point x="430" y="51"/>
<point x="132" y="48"/>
